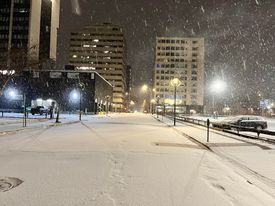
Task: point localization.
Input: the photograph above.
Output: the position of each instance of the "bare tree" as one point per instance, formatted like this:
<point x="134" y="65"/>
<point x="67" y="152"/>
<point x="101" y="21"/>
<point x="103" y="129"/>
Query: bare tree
<point x="13" y="63"/>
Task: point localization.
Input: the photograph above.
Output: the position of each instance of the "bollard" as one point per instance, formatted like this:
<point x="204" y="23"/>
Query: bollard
<point x="208" y="124"/>
<point x="57" y="116"/>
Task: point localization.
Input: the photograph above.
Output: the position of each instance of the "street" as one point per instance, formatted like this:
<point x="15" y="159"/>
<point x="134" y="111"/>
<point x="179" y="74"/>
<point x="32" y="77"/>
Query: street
<point x="125" y="159"/>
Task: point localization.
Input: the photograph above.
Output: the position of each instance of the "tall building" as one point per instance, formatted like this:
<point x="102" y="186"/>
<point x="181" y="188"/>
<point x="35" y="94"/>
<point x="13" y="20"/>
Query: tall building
<point x="29" y="26"/>
<point x="181" y="58"/>
<point x="102" y="48"/>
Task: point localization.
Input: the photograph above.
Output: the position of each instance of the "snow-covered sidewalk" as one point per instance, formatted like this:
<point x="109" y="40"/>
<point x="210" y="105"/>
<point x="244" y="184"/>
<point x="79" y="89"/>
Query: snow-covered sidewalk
<point x="250" y="156"/>
<point x="14" y="122"/>
<point x="120" y="160"/>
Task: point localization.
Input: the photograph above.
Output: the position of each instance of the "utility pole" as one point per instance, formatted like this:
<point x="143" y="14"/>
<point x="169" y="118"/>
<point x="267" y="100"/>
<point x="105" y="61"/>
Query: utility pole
<point x="175" y="99"/>
<point x="24" y="110"/>
<point x="80" y="104"/>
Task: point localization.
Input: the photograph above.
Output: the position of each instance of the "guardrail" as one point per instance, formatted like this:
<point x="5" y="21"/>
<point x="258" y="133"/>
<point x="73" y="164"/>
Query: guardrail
<point x="2" y="111"/>
<point x="236" y="129"/>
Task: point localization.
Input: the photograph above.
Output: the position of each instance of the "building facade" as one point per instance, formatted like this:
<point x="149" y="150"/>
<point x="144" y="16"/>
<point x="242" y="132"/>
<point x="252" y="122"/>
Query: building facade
<point x="69" y="89"/>
<point x="181" y="58"/>
<point x="102" y="48"/>
<point x="29" y="27"/>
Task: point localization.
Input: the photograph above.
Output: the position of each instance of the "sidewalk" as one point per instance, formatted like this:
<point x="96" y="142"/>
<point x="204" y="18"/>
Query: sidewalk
<point x="15" y="123"/>
<point x="250" y="157"/>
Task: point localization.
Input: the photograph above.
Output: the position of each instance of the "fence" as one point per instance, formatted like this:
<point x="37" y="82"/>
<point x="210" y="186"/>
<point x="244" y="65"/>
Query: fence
<point x="227" y="128"/>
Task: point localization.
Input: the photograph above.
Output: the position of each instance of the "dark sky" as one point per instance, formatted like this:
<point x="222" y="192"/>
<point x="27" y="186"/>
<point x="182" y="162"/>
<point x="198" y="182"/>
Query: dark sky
<point x="239" y="35"/>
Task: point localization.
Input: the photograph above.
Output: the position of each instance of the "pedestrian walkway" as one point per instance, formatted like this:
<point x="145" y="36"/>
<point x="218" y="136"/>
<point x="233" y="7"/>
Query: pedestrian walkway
<point x="251" y="156"/>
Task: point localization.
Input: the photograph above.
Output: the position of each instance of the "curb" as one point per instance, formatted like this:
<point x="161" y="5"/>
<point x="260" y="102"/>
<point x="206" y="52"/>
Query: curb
<point x="3" y="133"/>
<point x="192" y="139"/>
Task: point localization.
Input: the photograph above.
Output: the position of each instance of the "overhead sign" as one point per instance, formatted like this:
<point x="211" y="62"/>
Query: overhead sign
<point x="73" y="75"/>
<point x="55" y="75"/>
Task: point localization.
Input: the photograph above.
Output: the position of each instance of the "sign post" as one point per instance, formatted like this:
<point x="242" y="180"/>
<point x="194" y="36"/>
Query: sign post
<point x="208" y="124"/>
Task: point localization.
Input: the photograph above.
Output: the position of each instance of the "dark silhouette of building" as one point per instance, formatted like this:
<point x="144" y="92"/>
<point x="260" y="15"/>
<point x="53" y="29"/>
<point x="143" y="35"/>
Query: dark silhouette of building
<point x="67" y="88"/>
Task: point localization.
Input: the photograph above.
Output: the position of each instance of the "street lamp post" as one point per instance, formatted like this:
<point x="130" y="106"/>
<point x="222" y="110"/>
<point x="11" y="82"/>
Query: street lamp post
<point x="261" y="103"/>
<point x="75" y="97"/>
<point x="25" y="113"/>
<point x="146" y="88"/>
<point x="107" y="104"/>
<point x="132" y="103"/>
<point x="153" y="101"/>
<point x="13" y="95"/>
<point x="80" y="105"/>
<point x="218" y="86"/>
<point x="157" y="106"/>
<point x="175" y="102"/>
<point x="175" y="83"/>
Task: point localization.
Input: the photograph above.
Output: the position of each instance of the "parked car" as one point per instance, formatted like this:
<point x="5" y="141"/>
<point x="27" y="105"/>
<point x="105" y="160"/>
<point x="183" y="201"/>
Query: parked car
<point x="39" y="110"/>
<point x="246" y="121"/>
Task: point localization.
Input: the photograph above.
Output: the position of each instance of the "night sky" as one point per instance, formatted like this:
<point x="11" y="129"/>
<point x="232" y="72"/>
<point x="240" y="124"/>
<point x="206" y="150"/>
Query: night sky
<point x="239" y="36"/>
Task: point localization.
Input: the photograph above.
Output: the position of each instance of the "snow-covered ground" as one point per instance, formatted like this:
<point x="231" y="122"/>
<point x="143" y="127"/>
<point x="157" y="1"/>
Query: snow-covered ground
<point x="14" y="121"/>
<point x="129" y="159"/>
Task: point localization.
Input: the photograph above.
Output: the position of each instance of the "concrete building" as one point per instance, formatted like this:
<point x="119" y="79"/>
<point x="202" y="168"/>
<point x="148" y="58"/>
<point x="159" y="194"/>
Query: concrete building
<point x="29" y="26"/>
<point x="71" y="90"/>
<point x="102" y="48"/>
<point x="182" y="58"/>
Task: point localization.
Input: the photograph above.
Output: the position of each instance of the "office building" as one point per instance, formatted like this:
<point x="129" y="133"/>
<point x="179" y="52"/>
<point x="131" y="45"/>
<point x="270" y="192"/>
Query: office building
<point x="29" y="27"/>
<point x="181" y="58"/>
<point x="102" y="48"/>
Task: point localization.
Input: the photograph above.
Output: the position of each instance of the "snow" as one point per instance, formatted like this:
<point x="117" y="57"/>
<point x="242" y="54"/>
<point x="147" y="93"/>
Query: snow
<point x="254" y="157"/>
<point x="114" y="160"/>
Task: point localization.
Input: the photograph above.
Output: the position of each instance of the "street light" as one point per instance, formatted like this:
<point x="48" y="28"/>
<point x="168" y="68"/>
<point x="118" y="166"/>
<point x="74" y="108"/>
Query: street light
<point x="12" y="94"/>
<point x="217" y="87"/>
<point x="153" y="101"/>
<point x="146" y="88"/>
<point x="158" y="97"/>
<point x="75" y="95"/>
<point x="175" y="83"/>
<point x="107" y="104"/>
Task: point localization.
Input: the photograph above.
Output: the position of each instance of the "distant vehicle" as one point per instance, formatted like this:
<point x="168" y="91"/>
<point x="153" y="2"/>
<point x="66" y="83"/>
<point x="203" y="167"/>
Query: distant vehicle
<point x="39" y="110"/>
<point x="254" y="122"/>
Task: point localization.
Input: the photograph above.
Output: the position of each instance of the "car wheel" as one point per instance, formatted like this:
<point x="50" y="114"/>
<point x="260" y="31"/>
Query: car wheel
<point x="259" y="127"/>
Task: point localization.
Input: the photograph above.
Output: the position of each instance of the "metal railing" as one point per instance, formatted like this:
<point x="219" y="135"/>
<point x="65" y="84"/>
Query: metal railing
<point x="234" y="129"/>
<point x="3" y="111"/>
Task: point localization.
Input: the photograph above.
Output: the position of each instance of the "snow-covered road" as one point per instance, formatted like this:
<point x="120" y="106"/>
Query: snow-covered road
<point x="119" y="160"/>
